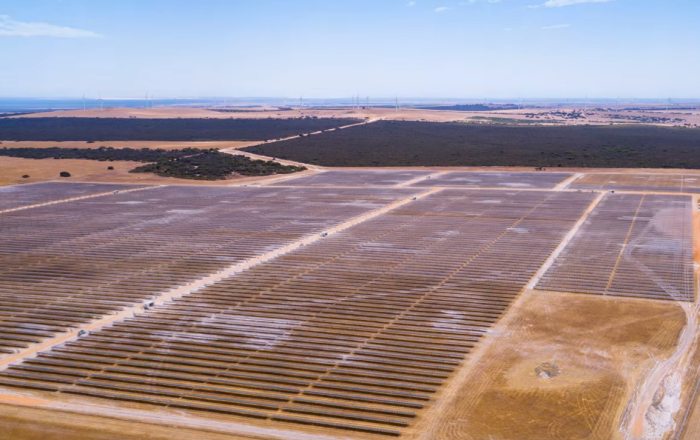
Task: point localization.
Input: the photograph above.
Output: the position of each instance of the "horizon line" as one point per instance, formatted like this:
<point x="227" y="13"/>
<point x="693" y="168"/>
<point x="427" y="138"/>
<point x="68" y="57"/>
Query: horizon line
<point x="362" y="99"/>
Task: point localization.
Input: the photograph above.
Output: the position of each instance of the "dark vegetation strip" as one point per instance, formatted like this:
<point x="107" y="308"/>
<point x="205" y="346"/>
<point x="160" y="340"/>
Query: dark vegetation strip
<point x="101" y="153"/>
<point x="187" y="163"/>
<point x="195" y="129"/>
<point x="214" y="165"/>
<point x="393" y="143"/>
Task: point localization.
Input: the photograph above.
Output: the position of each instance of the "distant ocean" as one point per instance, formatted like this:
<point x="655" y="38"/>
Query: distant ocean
<point x="10" y="105"/>
<point x="36" y="104"/>
<point x="39" y="104"/>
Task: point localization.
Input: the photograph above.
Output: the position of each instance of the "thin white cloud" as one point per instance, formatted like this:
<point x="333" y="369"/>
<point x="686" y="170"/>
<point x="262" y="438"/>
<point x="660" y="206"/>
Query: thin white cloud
<point x="14" y="28"/>
<point x="562" y="3"/>
<point x="441" y="9"/>
<point x="411" y="3"/>
<point x="556" y="26"/>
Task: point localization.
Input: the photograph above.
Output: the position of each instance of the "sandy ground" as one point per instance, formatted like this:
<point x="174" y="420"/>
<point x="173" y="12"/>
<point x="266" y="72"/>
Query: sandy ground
<point x="688" y="419"/>
<point x="19" y="423"/>
<point x="12" y="169"/>
<point x="549" y="115"/>
<point x="602" y="346"/>
<point x="194" y="112"/>
<point x="667" y="396"/>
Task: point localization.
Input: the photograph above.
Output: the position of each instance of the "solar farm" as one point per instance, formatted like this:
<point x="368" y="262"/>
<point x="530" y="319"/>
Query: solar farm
<point x="349" y="303"/>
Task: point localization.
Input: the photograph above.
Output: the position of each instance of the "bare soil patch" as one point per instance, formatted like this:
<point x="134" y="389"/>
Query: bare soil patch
<point x="543" y="115"/>
<point x="20" y="423"/>
<point x="601" y="347"/>
<point x="39" y="170"/>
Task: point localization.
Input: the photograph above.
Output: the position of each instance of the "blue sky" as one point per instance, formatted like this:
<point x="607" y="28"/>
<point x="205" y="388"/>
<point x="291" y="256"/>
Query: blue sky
<point x="336" y="48"/>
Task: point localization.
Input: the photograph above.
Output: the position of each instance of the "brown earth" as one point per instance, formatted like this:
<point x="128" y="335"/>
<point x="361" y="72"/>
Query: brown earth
<point x="689" y="418"/>
<point x="602" y="347"/>
<point x="194" y="112"/>
<point x="544" y="115"/>
<point x="13" y="168"/>
<point x="690" y="421"/>
<point x="19" y="423"/>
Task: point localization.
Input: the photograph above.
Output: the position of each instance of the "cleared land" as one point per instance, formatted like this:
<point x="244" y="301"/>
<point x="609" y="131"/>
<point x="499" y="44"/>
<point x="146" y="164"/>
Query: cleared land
<point x="187" y="163"/>
<point x="661" y="115"/>
<point x="121" y="129"/>
<point x="13" y="170"/>
<point x="392" y="143"/>
<point x="597" y="349"/>
<point x="344" y="304"/>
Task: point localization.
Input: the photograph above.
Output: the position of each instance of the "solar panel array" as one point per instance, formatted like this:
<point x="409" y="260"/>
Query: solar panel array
<point x="67" y="264"/>
<point x="515" y="180"/>
<point x="639" y="182"/>
<point x="631" y="245"/>
<point x="356" y="178"/>
<point x="355" y="332"/>
<point x="16" y="196"/>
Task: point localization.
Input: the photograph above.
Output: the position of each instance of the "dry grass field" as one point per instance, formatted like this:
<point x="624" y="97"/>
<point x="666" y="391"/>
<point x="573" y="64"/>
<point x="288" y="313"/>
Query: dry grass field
<point x="12" y="169"/>
<point x="41" y="170"/>
<point x="601" y="348"/>
<point x="620" y="114"/>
